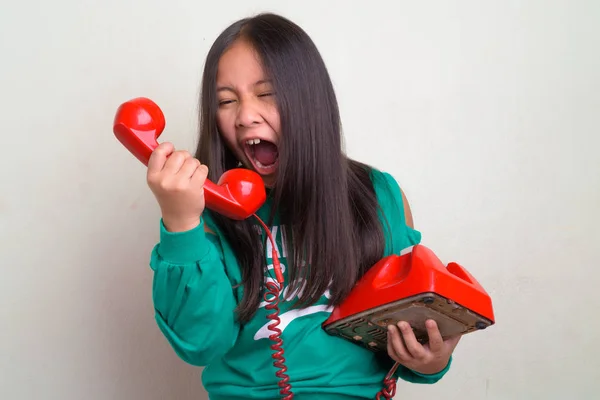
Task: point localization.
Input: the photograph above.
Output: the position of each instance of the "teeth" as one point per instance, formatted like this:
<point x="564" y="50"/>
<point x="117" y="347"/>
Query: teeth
<point x="253" y="141"/>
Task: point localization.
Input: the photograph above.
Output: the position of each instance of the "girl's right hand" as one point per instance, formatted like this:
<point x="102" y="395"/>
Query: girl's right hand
<point x="177" y="181"/>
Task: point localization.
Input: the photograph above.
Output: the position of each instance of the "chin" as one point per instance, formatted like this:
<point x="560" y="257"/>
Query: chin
<point x="269" y="181"/>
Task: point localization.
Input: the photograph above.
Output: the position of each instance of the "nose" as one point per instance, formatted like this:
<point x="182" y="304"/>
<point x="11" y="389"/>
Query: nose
<point x="248" y="114"/>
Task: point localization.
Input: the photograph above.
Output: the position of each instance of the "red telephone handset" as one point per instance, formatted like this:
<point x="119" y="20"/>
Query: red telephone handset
<point x="238" y="194"/>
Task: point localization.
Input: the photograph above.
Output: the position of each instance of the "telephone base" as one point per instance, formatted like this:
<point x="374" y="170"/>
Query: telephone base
<point x="369" y="328"/>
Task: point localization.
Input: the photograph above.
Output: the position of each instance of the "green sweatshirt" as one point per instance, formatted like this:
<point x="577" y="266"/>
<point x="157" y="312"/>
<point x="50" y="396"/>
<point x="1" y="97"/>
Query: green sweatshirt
<point x="194" y="299"/>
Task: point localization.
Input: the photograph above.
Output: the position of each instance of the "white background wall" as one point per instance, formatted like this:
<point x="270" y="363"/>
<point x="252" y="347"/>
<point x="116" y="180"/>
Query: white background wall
<point x="486" y="112"/>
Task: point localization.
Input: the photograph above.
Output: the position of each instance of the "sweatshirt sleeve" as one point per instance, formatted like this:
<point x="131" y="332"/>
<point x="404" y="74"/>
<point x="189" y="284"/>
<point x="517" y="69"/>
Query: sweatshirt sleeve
<point x="193" y="297"/>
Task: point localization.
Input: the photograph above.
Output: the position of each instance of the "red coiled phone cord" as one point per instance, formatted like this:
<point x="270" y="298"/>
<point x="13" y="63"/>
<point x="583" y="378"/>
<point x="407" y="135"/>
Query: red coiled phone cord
<point x="389" y="388"/>
<point x="272" y="298"/>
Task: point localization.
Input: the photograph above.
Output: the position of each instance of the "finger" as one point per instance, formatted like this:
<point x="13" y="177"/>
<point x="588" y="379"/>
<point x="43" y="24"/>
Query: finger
<point x="200" y="175"/>
<point x="189" y="167"/>
<point x="453" y="341"/>
<point x="436" y="342"/>
<point x="159" y="156"/>
<point x="390" y="348"/>
<point x="176" y="161"/>
<point x="415" y="348"/>
<point x="397" y="345"/>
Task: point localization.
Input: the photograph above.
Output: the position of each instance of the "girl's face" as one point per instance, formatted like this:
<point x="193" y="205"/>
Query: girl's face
<point x="247" y="116"/>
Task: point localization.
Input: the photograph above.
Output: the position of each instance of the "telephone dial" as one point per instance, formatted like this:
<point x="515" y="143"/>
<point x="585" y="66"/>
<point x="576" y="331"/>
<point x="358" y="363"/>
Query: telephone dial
<point x="412" y="287"/>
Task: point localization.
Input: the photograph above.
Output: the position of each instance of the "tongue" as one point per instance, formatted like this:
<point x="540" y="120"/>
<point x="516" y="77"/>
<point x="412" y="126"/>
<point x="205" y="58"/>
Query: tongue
<point x="265" y="152"/>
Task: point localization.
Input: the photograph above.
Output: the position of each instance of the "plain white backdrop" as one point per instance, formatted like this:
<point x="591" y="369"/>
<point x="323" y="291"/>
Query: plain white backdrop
<point x="485" y="111"/>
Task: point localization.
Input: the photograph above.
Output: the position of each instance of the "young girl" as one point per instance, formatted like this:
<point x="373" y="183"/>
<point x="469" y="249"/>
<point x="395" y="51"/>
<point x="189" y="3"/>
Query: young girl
<point x="268" y="105"/>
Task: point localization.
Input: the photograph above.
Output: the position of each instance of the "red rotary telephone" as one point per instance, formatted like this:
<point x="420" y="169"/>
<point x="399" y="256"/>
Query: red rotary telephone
<point x="412" y="287"/>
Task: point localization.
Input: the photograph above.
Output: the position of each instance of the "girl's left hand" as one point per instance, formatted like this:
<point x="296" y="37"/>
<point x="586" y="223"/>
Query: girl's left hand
<point x="426" y="359"/>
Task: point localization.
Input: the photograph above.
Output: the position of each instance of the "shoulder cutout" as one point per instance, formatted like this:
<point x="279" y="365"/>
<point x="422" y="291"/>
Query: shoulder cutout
<point x="397" y="213"/>
<point x="407" y="211"/>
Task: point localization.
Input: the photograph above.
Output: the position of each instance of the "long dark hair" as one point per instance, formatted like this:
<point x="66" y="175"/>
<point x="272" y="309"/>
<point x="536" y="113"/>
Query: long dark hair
<point x="326" y="201"/>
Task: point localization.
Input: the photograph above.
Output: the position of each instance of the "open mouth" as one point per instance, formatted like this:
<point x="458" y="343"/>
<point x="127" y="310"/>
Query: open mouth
<point x="263" y="154"/>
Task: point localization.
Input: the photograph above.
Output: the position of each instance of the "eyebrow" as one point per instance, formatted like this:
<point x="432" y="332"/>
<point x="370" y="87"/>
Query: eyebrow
<point x="230" y="89"/>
